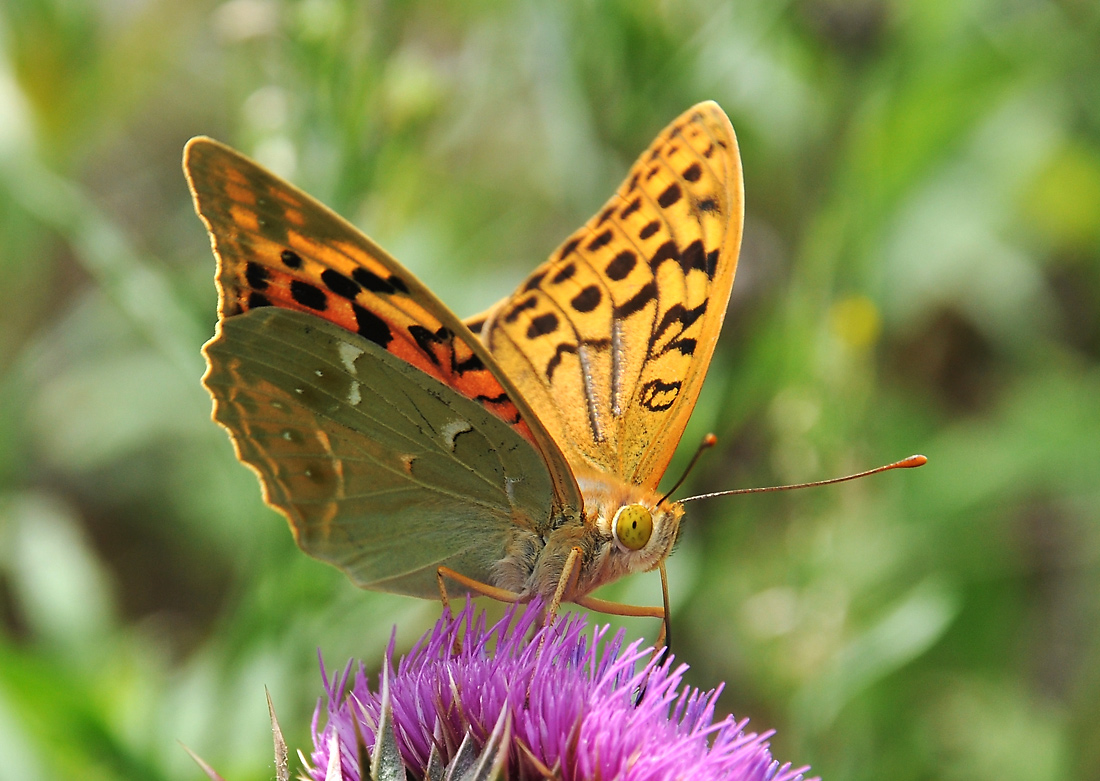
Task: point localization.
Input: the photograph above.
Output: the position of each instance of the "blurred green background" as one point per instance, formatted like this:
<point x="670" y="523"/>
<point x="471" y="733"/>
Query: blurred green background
<point x="920" y="273"/>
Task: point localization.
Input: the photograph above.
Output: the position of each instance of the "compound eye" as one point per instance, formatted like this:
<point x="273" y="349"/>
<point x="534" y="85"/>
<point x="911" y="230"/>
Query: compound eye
<point x="633" y="526"/>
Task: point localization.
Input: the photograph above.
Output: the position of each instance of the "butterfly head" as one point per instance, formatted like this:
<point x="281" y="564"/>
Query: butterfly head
<point x="632" y="529"/>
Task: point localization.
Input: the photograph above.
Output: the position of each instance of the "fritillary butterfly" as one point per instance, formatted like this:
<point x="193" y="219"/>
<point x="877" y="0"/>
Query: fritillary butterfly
<point x="518" y="452"/>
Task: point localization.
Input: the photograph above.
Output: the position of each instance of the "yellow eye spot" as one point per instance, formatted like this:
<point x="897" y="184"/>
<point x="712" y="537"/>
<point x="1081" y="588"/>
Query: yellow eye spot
<point x="633" y="526"/>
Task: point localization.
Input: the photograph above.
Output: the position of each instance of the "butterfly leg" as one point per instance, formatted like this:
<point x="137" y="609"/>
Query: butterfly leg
<point x="566" y="583"/>
<point x="664" y="639"/>
<point x="456" y="648"/>
<point x="660" y="642"/>
<point x="634" y="611"/>
<point x="475" y="586"/>
<point x="618" y="608"/>
<point x="443" y="591"/>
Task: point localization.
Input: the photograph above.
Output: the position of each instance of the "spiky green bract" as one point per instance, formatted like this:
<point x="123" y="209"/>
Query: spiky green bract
<point x="578" y="705"/>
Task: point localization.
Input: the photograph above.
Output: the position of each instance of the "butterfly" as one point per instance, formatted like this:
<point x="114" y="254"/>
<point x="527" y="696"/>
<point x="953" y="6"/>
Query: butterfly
<point x="516" y="453"/>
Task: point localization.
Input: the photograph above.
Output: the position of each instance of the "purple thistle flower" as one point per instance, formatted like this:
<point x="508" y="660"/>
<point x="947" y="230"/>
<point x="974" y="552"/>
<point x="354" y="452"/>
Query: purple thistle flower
<point x="581" y="707"/>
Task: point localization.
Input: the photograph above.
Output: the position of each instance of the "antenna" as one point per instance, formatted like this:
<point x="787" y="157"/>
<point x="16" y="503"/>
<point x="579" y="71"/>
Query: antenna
<point x="906" y="463"/>
<point x="708" y="442"/>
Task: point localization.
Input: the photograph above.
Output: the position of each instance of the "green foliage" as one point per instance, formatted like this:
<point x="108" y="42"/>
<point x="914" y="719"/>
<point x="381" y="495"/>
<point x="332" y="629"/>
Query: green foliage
<point x="921" y="273"/>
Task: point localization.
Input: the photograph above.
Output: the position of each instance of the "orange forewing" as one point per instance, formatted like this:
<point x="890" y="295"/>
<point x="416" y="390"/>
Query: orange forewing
<point x="610" y="339"/>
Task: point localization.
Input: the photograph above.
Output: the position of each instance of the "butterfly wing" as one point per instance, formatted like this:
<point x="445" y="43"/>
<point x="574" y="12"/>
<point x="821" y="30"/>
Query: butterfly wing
<point x="380" y="469"/>
<point x="610" y="339"/>
<point x="277" y="246"/>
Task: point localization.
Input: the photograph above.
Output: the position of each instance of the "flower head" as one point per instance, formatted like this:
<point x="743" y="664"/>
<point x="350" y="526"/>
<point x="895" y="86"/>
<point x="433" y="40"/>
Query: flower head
<point x="561" y="701"/>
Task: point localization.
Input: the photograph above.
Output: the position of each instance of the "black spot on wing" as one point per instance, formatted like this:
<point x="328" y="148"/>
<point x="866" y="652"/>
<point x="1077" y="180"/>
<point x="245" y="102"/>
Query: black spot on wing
<point x="666" y="251"/>
<point x="587" y="300"/>
<point x="693" y="172"/>
<point x="518" y="309"/>
<point x="680" y="319"/>
<point x="623" y="263"/>
<point x="372" y="282"/>
<point x="604" y="215"/>
<point x="600" y="241"/>
<point x="427" y="340"/>
<point x="564" y="274"/>
<point x="339" y="284"/>
<point x="256" y="276"/>
<point x="371" y="326"/>
<point x="256" y="300"/>
<point x="649" y="229"/>
<point x="670" y="196"/>
<point x="708" y="205"/>
<point x="563" y="349"/>
<point x="677" y="315"/>
<point x="638" y="301"/>
<point x="308" y="295"/>
<point x="500" y="398"/>
<point x="536" y="279"/>
<point x="632" y="207"/>
<point x="290" y="258"/>
<point x="542" y="325"/>
<point x="567" y="250"/>
<point x="682" y="346"/>
<point x="658" y="396"/>
<point x="471" y="364"/>
<point x="693" y="257"/>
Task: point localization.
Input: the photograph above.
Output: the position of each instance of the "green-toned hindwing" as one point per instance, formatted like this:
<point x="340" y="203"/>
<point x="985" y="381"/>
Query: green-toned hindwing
<point x="380" y="469"/>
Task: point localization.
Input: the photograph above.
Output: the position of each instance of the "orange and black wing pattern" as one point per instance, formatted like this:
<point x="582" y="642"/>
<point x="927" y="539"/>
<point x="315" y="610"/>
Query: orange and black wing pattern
<point x="611" y="338"/>
<point x="277" y="246"/>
